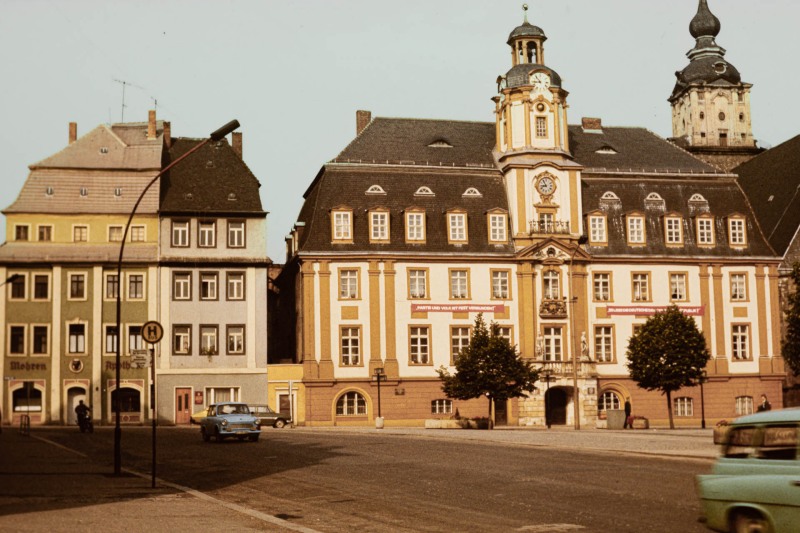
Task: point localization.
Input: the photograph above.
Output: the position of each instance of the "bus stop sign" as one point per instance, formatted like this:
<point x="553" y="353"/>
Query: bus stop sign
<point x="152" y="332"/>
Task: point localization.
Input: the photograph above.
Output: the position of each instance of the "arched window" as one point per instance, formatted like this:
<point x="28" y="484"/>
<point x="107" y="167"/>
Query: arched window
<point x="27" y="399"/>
<point x="608" y="400"/>
<point x="351" y="404"/>
<point x="130" y="400"/>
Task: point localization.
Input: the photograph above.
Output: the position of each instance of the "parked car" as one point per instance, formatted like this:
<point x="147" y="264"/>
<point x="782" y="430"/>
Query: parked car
<point x="198" y="416"/>
<point x="755" y="484"/>
<point x="267" y="417"/>
<point x="229" y="419"/>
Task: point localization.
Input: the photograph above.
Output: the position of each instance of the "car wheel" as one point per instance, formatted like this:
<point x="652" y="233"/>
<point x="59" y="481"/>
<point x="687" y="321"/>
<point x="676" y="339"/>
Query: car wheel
<point x="749" y="522"/>
<point x="253" y="438"/>
<point x="218" y="435"/>
<point x="204" y="433"/>
<point x="279" y="423"/>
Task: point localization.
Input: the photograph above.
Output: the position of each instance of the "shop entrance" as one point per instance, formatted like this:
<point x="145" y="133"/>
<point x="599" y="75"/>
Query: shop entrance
<point x="556" y="402"/>
<point x="74" y="396"/>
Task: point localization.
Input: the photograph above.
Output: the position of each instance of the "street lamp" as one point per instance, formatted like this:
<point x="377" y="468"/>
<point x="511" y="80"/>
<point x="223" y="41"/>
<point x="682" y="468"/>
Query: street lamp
<point x="379" y="376"/>
<point x="11" y="279"/>
<point x="575" y="391"/>
<point x="703" y="379"/>
<point x="215" y="136"/>
<point x="548" y="377"/>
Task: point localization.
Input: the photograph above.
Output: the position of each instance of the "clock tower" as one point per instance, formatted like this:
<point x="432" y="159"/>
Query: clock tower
<point x="532" y="143"/>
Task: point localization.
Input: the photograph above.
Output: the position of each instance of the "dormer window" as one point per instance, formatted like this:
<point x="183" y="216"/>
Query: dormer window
<point x="49" y="191"/>
<point x="415" y="226"/>
<point x="84" y="192"/>
<point x="497" y="227"/>
<point x="705" y="231"/>
<point x="379" y="226"/>
<point x="636" y="231"/>
<point x="440" y="143"/>
<point x="673" y="230"/>
<point x="117" y="191"/>
<point x="375" y="189"/>
<point x="342" y="225"/>
<point x="457" y="228"/>
<point x="597" y="230"/>
<point x="654" y="200"/>
<point x="472" y="192"/>
<point x="737" y="235"/>
<point x="607" y="150"/>
<point x="424" y="191"/>
<point x="608" y="195"/>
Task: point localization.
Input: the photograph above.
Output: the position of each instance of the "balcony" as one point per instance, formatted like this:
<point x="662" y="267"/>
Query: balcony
<point x="540" y="227"/>
<point x="564" y="369"/>
<point x="551" y="308"/>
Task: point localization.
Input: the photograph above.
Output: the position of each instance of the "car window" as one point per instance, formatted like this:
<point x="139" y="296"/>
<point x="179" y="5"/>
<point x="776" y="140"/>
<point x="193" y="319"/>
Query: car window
<point x="779" y="442"/>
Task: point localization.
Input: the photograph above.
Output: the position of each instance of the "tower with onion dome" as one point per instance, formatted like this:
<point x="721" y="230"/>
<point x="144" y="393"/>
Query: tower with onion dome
<point x="710" y="102"/>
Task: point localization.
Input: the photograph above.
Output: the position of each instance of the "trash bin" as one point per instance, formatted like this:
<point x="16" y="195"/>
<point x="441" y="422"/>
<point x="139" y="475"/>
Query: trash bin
<point x="615" y="419"/>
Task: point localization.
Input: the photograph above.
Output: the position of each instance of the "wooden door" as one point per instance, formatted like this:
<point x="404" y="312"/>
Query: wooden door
<point x="183" y="408"/>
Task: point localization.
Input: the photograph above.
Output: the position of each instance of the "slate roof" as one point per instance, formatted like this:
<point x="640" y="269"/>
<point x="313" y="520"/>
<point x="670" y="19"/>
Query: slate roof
<point x="205" y="181"/>
<point x="723" y="196"/>
<point x="772" y="183"/>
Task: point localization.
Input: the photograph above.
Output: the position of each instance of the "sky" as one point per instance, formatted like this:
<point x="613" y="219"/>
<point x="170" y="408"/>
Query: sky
<point x="295" y="72"/>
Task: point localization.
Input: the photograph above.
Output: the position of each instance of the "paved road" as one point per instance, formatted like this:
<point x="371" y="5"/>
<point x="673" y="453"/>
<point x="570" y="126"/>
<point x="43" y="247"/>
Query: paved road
<point x="361" y="480"/>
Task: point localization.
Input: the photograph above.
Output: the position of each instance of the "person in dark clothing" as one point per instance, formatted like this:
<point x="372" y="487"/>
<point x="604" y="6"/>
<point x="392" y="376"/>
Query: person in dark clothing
<point x="628" y="419"/>
<point x="764" y="405"/>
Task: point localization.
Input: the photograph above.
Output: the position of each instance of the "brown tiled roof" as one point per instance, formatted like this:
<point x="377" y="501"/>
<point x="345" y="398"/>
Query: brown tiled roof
<point x="723" y="196"/>
<point x="772" y="183"/>
<point x="205" y="181"/>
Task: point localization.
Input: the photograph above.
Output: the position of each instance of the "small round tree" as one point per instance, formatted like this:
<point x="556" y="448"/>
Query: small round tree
<point x="489" y="366"/>
<point x="667" y="353"/>
<point x="790" y="347"/>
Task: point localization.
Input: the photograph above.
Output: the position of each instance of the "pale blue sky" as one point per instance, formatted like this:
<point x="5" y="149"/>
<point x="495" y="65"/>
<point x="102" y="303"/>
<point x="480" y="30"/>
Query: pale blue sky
<point x="295" y="72"/>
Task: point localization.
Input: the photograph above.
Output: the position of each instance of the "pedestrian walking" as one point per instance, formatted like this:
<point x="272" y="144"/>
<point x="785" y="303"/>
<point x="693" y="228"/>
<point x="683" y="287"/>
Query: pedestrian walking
<point x="628" y="417"/>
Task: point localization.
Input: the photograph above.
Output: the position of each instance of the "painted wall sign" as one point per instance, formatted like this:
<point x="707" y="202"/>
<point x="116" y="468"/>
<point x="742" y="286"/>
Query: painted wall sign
<point x="457" y="308"/>
<point x="696" y="310"/>
<point x="16" y="365"/>
<point x="198" y="397"/>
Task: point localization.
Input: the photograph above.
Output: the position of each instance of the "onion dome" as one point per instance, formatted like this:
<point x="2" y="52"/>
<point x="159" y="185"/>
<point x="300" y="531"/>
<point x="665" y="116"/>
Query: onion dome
<point x="704" y="22"/>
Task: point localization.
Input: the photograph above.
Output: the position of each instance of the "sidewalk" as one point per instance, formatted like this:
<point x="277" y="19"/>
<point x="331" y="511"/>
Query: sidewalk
<point x="47" y="487"/>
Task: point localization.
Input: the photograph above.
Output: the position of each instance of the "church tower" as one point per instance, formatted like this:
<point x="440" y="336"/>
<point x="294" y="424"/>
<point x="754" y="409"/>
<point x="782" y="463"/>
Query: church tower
<point x="710" y="103"/>
<point x="532" y="143"/>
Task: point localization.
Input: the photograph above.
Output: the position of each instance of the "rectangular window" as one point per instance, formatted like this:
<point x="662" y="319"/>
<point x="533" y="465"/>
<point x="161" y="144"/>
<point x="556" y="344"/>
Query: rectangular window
<point x="541" y="127"/>
<point x="77" y="286"/>
<point x="505" y="332"/>
<point x="641" y="287"/>
<point x="602" y="287"/>
<point x="673" y="229"/>
<point x="683" y="407"/>
<point x="348" y="284"/>
<point x="112" y="286"/>
<point x="597" y="229"/>
<point x="114" y="233"/>
<point x="550" y="285"/>
<point x="420" y="345"/>
<point x="458" y="227"/>
<point x="41" y="287"/>
<point x="677" y="287"/>
<point x="497" y="228"/>
<point x="500" y="284"/>
<point x="235" y="340"/>
<point x="737" y="233"/>
<point x="137" y="234"/>
<point x="547" y="223"/>
<point x="636" y="230"/>
<point x="341" y="226"/>
<point x="738" y="287"/>
<point x="135" y="286"/>
<point x="417" y="284"/>
<point x="180" y="233"/>
<point x="111" y="339"/>
<point x="182" y="340"/>
<point x="208" y="340"/>
<point x="80" y="233"/>
<point x="40" y="340"/>
<point x="415" y="226"/>
<point x="182" y="286"/>
<point x="235" y="286"/>
<point x="207" y="234"/>
<point x="459" y="339"/>
<point x="459" y="284"/>
<point x="208" y="286"/>
<point x="351" y="346"/>
<point x="744" y="405"/>
<point x="16" y="340"/>
<point x="236" y="234"/>
<point x="603" y="344"/>
<point x="379" y="226"/>
<point x="135" y="340"/>
<point x="45" y="233"/>
<point x="705" y="231"/>
<point x="21" y="233"/>
<point x="17" y="290"/>
<point x="740" y="339"/>
<point x="552" y="344"/>
<point x="441" y="407"/>
<point x="77" y="338"/>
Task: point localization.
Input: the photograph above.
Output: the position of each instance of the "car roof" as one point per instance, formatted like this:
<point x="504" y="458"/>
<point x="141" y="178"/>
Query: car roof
<point x="767" y="417"/>
<point x="226" y="403"/>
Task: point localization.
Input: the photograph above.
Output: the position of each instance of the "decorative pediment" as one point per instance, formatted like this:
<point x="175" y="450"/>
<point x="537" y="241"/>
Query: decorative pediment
<point x="553" y="251"/>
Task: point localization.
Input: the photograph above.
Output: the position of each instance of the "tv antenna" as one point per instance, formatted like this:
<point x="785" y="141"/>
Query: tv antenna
<point x="125" y="84"/>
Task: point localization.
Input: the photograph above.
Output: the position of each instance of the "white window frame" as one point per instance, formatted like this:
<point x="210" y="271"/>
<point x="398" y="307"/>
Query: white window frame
<point x="737" y="234"/>
<point x="348" y="284"/>
<point x="415" y="226"/>
<point x="350" y="345"/>
<point x="601" y="286"/>
<point x="640" y="287"/>
<point x="138" y="233"/>
<point x="351" y="404"/>
<point x="551" y="285"/>
<point x="597" y="229"/>
<point x="636" y="230"/>
<point x="740" y="342"/>
<point x="417" y="277"/>
<point x="705" y="231"/>
<point x="235" y="333"/>
<point x="379" y="226"/>
<point x="115" y="233"/>
<point x="553" y="345"/>
<point x="76" y="345"/>
<point x="457" y="227"/>
<point x="180" y="234"/>
<point x="110" y="338"/>
<point x="342" y="225"/>
<point x="459" y="284"/>
<point x="497" y="228"/>
<point x="236" y="234"/>
<point x="131" y="293"/>
<point x="683" y="407"/>
<point x="501" y="284"/>
<point x="604" y="344"/>
<point x="235" y="285"/>
<point x="80" y="233"/>
<point x="678" y="287"/>
<point x="182" y="286"/>
<point x="183" y="333"/>
<point x="673" y="230"/>
<point x="442" y="407"/>
<point x="206" y="233"/>
<point x="419" y="345"/>
<point x="738" y="287"/>
<point x="459" y="339"/>
<point x="744" y="405"/>
<point x="209" y="286"/>
<point x="209" y="336"/>
<point x="135" y="341"/>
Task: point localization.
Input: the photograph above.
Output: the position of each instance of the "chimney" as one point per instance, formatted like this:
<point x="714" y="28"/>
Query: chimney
<point x="363" y="118"/>
<point x="151" y="125"/>
<point x="594" y="125"/>
<point x="236" y="143"/>
<point x="73" y="132"/>
<point x="167" y="134"/>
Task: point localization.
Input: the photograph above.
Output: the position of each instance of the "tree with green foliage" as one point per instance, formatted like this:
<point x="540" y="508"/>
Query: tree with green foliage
<point x="790" y="346"/>
<point x="667" y="353"/>
<point x="489" y="366"/>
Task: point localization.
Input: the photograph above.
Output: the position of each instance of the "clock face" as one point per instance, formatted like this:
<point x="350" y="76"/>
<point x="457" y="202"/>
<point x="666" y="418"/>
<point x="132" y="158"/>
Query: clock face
<point x="546" y="185"/>
<point x="540" y="81"/>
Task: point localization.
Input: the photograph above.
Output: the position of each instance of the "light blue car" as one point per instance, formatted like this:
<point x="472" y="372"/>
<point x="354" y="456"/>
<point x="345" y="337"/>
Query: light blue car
<point x="755" y="484"/>
<point x="229" y="419"/>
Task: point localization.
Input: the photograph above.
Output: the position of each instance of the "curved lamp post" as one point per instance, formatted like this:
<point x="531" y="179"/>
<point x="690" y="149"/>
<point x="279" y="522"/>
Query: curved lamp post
<point x="215" y="136"/>
<point x="575" y="359"/>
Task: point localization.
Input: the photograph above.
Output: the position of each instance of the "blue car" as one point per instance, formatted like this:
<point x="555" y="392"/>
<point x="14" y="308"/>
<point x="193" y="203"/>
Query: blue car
<point x="755" y="484"/>
<point x="230" y="419"/>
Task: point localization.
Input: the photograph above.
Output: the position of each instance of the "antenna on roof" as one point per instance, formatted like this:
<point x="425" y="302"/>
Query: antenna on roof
<point x="124" y="84"/>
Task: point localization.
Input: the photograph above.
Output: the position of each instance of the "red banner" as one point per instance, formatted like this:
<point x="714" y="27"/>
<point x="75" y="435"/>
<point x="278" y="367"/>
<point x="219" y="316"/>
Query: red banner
<point x="696" y="310"/>
<point x="457" y="308"/>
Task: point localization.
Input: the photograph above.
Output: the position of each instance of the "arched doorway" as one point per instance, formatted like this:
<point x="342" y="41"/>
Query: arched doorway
<point x="556" y="404"/>
<point x="74" y="396"/>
